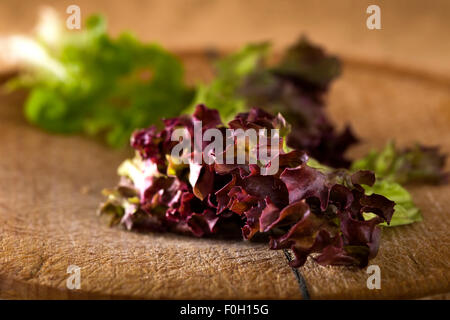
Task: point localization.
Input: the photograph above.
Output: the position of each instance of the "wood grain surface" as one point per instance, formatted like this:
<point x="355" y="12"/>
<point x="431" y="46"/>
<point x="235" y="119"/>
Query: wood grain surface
<point x="50" y="189"/>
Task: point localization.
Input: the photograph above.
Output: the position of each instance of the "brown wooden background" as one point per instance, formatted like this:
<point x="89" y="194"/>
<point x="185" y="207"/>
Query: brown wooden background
<point x="415" y="33"/>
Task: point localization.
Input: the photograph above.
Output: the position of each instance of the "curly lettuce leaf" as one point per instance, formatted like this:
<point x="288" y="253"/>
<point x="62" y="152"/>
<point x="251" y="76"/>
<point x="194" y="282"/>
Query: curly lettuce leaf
<point x="405" y="210"/>
<point x="309" y="64"/>
<point x="394" y="167"/>
<point x="313" y="213"/>
<point x="419" y="164"/>
<point x="294" y="87"/>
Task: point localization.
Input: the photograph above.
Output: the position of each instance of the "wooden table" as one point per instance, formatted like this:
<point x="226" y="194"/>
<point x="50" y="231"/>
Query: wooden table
<point x="50" y="190"/>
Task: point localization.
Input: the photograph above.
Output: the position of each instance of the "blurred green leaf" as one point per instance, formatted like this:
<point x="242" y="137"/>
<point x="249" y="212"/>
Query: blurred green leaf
<point x="107" y="87"/>
<point x="405" y="210"/>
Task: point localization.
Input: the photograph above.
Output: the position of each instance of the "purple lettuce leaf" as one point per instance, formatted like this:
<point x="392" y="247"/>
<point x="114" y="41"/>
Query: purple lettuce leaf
<point x="315" y="213"/>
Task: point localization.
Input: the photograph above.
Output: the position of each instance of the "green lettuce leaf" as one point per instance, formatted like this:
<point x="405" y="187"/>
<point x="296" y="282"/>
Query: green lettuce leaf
<point x="90" y="83"/>
<point x="405" y="211"/>
<point x="231" y="71"/>
<point x="418" y="164"/>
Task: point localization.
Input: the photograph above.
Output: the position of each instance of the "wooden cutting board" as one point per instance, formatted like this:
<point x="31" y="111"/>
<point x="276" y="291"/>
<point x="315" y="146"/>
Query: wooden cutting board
<point x="50" y="189"/>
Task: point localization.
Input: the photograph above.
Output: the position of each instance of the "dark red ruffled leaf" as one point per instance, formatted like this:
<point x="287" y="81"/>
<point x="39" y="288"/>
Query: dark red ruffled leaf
<point x="313" y="212"/>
